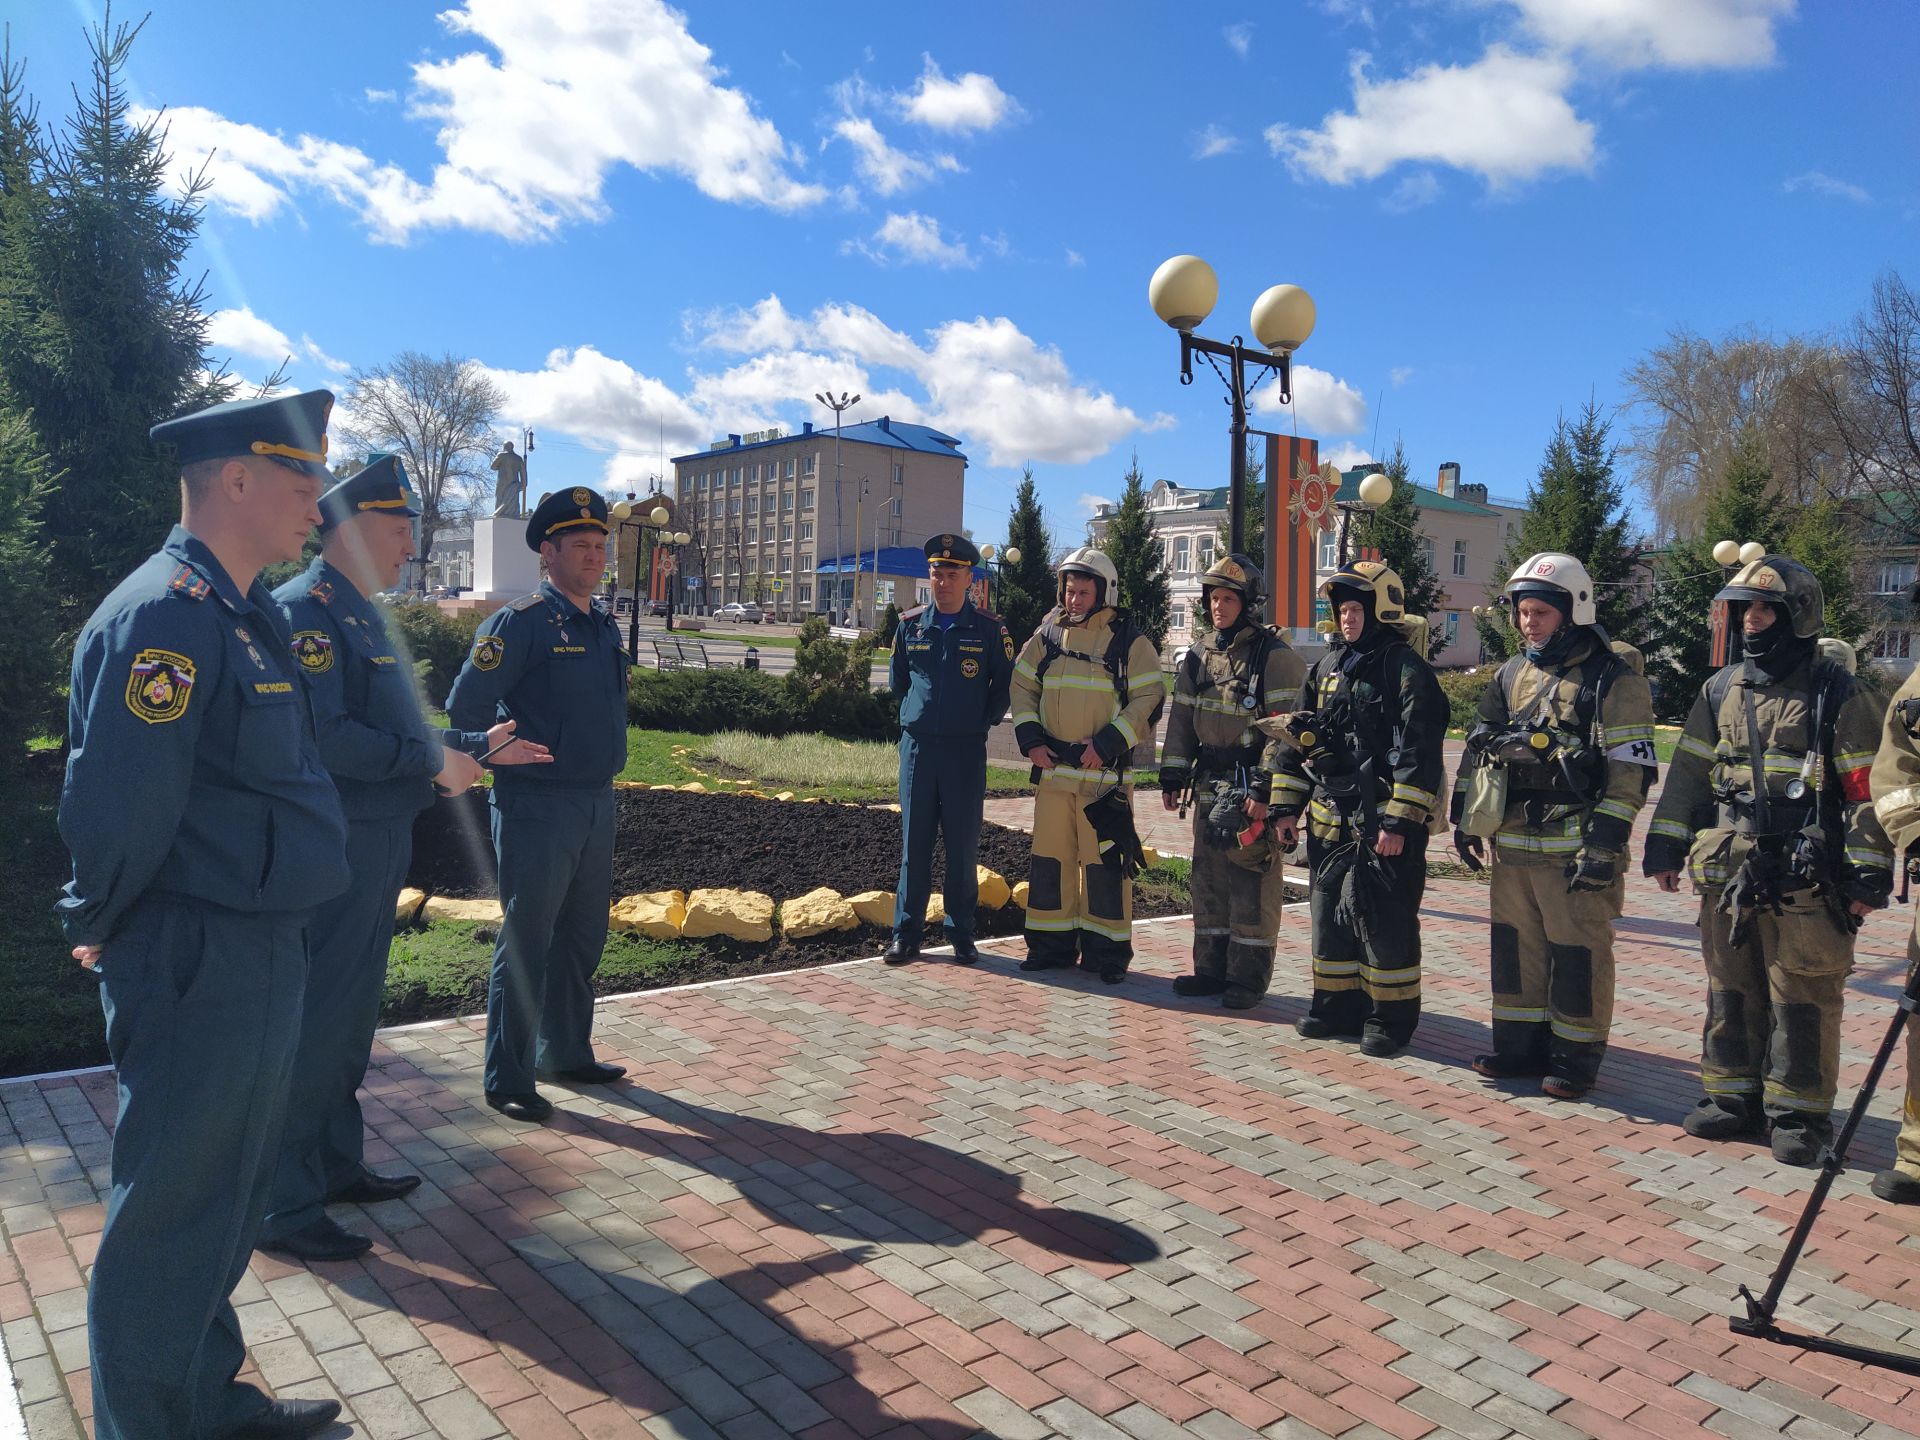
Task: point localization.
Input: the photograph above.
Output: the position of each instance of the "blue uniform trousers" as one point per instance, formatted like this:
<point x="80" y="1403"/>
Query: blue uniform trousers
<point x="555" y="847"/>
<point x="323" y="1144"/>
<point x="943" y="785"/>
<point x="203" y="1015"/>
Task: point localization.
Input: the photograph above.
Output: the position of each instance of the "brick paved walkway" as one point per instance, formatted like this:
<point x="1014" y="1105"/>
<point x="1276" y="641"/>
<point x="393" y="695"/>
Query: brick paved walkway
<point x="939" y="1202"/>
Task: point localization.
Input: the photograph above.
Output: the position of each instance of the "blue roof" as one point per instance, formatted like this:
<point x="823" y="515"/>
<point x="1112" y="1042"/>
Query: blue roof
<point x="894" y="560"/>
<point x="894" y="434"/>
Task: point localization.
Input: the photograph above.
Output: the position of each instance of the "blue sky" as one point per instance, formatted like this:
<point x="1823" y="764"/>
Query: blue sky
<point x="641" y="217"/>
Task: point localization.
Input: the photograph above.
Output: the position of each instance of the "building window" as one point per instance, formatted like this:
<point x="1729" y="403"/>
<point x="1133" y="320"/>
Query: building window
<point x="1896" y="576"/>
<point x="806" y="561"/>
<point x="806" y="464"/>
<point x="1894" y="644"/>
<point x="806" y="499"/>
<point x="806" y="594"/>
<point x="1177" y="617"/>
<point x="1425" y="543"/>
<point x="806" y="529"/>
<point x="789" y="467"/>
<point x="786" y="564"/>
<point x="733" y="506"/>
<point x="1459" y="559"/>
<point x="701" y="479"/>
<point x="786" y="531"/>
<point x="753" y="504"/>
<point x="766" y="533"/>
<point x="1330" y="551"/>
<point x="786" y="500"/>
<point x="1203" y="557"/>
<point x="1180" y="555"/>
<point x="1453" y="627"/>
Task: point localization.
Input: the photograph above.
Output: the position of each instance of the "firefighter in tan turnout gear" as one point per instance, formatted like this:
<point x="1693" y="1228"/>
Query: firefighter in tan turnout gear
<point x="1087" y="689"/>
<point x="1218" y="763"/>
<point x="1364" y="761"/>
<point x="1896" y="802"/>
<point x="1558" y="762"/>
<point x="1785" y="864"/>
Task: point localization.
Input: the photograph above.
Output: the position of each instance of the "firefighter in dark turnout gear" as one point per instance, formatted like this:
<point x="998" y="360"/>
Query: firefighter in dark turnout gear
<point x="1562" y="754"/>
<point x="1766" y="808"/>
<point x="1896" y="802"/>
<point x="1236" y="675"/>
<point x="1364" y="763"/>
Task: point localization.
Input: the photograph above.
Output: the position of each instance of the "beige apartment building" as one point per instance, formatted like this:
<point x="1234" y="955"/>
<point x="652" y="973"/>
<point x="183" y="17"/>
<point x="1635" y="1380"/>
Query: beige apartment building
<point x="776" y="522"/>
<point x="1462" y="532"/>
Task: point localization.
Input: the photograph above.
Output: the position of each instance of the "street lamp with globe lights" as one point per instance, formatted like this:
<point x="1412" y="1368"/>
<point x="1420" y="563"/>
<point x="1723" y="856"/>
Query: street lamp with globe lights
<point x="626" y="513"/>
<point x="1183" y="291"/>
<point x="997" y="567"/>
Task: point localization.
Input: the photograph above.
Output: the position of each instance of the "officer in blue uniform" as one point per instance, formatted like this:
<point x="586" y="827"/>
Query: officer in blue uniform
<point x="553" y="662"/>
<point x="203" y="830"/>
<point x="386" y="763"/>
<point x="952" y="668"/>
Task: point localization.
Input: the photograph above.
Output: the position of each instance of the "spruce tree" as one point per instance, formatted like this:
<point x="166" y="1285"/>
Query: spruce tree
<point x="1577" y="507"/>
<point x="1026" y="585"/>
<point x="100" y="337"/>
<point x="1679" y="646"/>
<point x="1136" y="554"/>
<point x="1253" y="501"/>
<point x="1821" y="537"/>
<point x="30" y="656"/>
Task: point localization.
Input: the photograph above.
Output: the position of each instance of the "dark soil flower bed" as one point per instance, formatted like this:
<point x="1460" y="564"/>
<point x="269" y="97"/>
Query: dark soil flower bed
<point x="680" y="840"/>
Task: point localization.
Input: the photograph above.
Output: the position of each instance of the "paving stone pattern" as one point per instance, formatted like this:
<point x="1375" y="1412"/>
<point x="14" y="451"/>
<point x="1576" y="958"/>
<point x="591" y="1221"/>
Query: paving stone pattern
<point x="945" y="1203"/>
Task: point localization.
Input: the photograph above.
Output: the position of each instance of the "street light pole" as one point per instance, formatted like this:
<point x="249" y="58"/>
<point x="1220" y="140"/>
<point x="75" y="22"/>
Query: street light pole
<point x="843" y="403"/>
<point x="624" y="515"/>
<point x="1183" y="291"/>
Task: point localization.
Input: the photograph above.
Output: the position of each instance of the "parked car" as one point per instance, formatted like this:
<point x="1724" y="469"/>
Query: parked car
<point x="743" y="614"/>
<point x="660" y="607"/>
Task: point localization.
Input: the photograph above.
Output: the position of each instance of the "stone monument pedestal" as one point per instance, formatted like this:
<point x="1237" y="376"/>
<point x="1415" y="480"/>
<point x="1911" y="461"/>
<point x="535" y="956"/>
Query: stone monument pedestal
<point x="503" y="567"/>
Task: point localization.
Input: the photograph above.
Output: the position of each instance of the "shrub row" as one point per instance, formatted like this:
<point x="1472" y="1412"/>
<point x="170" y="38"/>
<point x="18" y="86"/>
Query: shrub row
<point x="437" y="642"/>
<point x="708" y="701"/>
<point x="1463" y="689"/>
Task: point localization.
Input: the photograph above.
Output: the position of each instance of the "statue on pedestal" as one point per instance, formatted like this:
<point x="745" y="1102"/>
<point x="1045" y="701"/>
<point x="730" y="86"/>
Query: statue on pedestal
<point x="509" y="484"/>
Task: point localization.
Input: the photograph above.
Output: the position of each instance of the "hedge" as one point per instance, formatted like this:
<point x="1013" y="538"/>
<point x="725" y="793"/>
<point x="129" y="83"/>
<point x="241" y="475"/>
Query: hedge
<point x="437" y="642"/>
<point x="1463" y="689"/>
<point x="708" y="701"/>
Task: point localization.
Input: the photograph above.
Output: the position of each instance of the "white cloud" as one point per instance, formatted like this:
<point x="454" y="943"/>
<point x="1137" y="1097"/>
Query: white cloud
<point x="1086" y="503"/>
<point x="528" y="132"/>
<point x="981" y="379"/>
<point x="246" y="333"/>
<point x="1400" y="375"/>
<point x="1322" y="404"/>
<point x="1075" y="260"/>
<point x="1214" y="141"/>
<point x="1345" y="455"/>
<point x="888" y="170"/>
<point x="1821" y="183"/>
<point x="915" y="238"/>
<point x="321" y="358"/>
<point x="1240" y="37"/>
<point x="1504" y="117"/>
<point x="380" y="97"/>
<point x="969" y="102"/>
<point x="1677" y="34"/>
<point x="1414" y="191"/>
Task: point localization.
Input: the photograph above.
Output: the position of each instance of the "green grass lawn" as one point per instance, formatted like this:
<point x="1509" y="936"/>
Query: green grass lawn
<point x="819" y="765"/>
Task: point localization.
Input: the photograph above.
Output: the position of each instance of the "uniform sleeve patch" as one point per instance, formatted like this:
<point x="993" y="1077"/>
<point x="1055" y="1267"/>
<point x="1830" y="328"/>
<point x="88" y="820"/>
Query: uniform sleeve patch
<point x="1635" y="752"/>
<point x="1007" y="640"/>
<point x="488" y="652"/>
<point x="314" y="650"/>
<point x="159" y="686"/>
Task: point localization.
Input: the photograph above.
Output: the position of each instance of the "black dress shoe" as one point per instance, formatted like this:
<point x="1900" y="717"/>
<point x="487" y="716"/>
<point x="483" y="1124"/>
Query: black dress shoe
<point x="371" y="1189"/>
<point x="286" y="1419"/>
<point x="322" y="1240"/>
<point x="965" y="952"/>
<point x="1896" y="1187"/>
<point x="900" y="951"/>
<point x="532" y="1106"/>
<point x="595" y="1072"/>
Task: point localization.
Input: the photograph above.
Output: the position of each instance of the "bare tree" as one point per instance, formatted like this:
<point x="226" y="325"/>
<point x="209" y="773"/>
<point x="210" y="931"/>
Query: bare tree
<point x="438" y="415"/>
<point x="1872" y="402"/>
<point x="1694" y="398"/>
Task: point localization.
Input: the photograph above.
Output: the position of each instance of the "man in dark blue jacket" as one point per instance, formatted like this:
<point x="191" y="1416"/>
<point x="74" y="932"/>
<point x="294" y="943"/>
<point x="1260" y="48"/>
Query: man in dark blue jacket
<point x="386" y="763"/>
<point x="203" y="830"/>
<point x="553" y="662"/>
<point x="952" y="666"/>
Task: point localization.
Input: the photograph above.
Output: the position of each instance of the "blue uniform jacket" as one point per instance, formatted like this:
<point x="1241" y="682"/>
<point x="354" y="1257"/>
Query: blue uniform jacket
<point x="560" y="673"/>
<point x="374" y="741"/>
<point x="953" y="680"/>
<point x="193" y="769"/>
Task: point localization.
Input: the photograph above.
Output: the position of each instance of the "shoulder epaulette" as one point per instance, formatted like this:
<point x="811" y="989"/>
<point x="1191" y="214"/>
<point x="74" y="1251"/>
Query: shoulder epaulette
<point x="988" y="616"/>
<point x="527" y="602"/>
<point x="322" y="590"/>
<point x="914" y="614"/>
<point x="190" y="583"/>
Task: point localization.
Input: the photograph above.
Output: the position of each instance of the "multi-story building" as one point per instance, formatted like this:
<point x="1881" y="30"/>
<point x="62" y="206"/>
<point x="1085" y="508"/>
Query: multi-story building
<point x="776" y="521"/>
<point x="1462" y="533"/>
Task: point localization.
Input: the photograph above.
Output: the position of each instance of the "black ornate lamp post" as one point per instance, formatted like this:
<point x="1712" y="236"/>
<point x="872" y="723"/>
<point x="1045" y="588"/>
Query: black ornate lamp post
<point x="625" y="515"/>
<point x="996" y="565"/>
<point x="1183" y="292"/>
